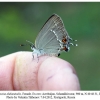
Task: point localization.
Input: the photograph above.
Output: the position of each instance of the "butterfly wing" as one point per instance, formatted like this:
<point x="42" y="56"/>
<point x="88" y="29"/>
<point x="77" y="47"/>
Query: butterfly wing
<point x="50" y="36"/>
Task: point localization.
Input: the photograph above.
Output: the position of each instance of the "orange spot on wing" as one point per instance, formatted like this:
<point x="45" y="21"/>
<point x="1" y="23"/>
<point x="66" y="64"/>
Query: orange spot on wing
<point x="64" y="40"/>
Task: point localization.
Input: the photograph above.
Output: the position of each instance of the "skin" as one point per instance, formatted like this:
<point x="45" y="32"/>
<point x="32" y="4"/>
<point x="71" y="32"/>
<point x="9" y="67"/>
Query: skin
<point x="19" y="71"/>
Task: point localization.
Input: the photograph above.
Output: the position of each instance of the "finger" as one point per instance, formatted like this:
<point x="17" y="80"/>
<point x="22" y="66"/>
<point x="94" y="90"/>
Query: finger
<point x="26" y="71"/>
<point x="6" y="71"/>
<point x="57" y="74"/>
<point x="26" y="74"/>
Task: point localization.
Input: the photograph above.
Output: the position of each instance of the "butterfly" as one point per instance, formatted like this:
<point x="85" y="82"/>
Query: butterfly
<point x="52" y="38"/>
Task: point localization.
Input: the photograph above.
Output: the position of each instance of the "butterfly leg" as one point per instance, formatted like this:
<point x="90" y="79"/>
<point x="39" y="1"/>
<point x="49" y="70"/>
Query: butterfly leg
<point x="38" y="58"/>
<point x="33" y="55"/>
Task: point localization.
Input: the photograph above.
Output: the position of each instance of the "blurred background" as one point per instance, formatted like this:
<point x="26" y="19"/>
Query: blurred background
<point x="22" y="21"/>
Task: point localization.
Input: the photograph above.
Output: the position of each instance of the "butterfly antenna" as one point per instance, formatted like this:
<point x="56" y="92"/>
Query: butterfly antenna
<point x="30" y="43"/>
<point x="22" y="45"/>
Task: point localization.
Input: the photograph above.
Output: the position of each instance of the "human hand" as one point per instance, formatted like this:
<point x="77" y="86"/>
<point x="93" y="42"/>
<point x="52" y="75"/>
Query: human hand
<point x="19" y="71"/>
